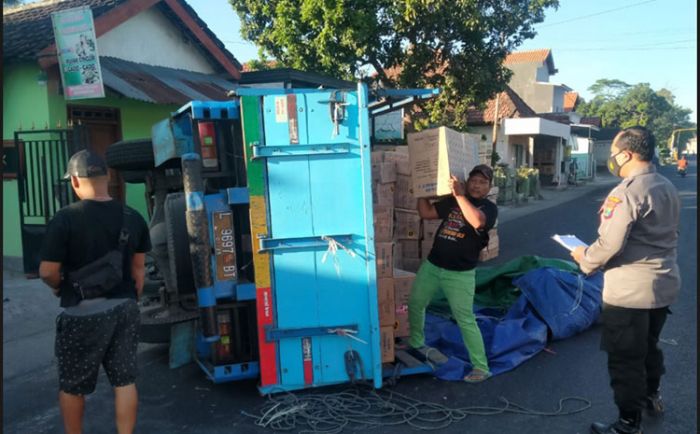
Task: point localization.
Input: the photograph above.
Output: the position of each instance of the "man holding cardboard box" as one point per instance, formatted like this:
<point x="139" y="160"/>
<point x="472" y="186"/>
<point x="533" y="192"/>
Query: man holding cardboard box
<point x="466" y="217"/>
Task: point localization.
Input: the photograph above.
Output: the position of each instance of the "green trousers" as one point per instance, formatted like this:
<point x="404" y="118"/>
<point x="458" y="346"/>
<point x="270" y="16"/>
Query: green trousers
<point x="458" y="287"/>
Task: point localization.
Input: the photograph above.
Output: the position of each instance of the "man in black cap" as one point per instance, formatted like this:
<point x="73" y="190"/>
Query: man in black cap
<point x="466" y="217"/>
<point x="99" y="324"/>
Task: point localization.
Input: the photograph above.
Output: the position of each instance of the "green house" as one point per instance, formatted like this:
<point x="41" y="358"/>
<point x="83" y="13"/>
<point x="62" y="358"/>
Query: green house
<point x="155" y="55"/>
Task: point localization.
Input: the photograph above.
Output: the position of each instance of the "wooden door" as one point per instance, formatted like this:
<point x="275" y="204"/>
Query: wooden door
<point x="103" y="127"/>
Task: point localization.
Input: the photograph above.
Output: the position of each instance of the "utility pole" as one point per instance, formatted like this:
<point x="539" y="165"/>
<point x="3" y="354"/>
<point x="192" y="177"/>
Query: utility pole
<point x="495" y="132"/>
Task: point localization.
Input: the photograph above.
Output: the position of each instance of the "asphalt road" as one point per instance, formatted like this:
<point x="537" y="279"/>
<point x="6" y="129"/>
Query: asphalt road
<point x="183" y="401"/>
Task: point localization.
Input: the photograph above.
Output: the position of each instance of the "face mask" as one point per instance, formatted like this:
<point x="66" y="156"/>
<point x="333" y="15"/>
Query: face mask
<point x="613" y="166"/>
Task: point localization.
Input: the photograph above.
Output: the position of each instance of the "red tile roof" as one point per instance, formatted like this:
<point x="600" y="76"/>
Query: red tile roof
<point x="27" y="29"/>
<point x="510" y="105"/>
<point x="532" y="56"/>
<point x="570" y="100"/>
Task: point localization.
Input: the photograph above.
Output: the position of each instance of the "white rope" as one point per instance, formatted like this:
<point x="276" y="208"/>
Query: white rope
<point x="350" y="333"/>
<point x="333" y="250"/>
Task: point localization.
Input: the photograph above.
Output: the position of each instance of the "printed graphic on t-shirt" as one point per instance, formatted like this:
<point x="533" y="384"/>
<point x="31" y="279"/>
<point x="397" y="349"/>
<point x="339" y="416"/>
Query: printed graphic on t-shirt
<point x="452" y="228"/>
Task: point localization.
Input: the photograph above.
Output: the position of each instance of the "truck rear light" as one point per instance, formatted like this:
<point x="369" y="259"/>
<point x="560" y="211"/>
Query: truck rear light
<point x="207" y="140"/>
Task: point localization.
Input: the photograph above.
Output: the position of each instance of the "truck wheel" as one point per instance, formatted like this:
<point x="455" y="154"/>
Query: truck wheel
<point x="134" y="176"/>
<point x="130" y="155"/>
<point x="178" y="243"/>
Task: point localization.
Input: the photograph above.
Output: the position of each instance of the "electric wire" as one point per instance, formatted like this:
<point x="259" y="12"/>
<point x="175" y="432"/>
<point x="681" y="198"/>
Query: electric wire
<point x="607" y="11"/>
<point x="362" y="406"/>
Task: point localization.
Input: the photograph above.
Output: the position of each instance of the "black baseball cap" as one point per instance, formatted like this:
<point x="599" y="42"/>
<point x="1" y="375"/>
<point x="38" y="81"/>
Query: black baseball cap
<point x="85" y="164"/>
<point x="484" y="170"/>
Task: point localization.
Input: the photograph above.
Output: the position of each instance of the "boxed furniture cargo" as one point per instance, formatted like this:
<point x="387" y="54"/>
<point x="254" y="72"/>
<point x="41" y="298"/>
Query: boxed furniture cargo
<point x="386" y="341"/>
<point x="383" y="224"/>
<point x="407" y="224"/>
<point x="437" y="153"/>
<point x="385" y="260"/>
<point x="386" y="301"/>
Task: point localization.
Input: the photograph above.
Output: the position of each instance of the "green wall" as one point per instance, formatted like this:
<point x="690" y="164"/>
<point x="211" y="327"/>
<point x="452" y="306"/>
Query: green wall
<point x="24" y="99"/>
<point x="27" y="99"/>
<point x="137" y="118"/>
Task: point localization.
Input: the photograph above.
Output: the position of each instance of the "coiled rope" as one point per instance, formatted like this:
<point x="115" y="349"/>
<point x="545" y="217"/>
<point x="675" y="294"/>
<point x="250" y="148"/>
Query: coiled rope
<point x="365" y="407"/>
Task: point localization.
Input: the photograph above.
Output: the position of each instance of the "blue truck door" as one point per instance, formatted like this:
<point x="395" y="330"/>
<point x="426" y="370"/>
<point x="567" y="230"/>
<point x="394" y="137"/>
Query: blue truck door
<point x="320" y="237"/>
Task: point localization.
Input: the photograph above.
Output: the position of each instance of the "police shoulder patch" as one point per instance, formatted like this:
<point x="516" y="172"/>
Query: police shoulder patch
<point x="609" y="207"/>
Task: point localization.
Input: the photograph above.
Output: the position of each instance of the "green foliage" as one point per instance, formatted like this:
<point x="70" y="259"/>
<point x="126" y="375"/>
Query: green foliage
<point x="608" y="89"/>
<point x="457" y="46"/>
<point x="622" y="105"/>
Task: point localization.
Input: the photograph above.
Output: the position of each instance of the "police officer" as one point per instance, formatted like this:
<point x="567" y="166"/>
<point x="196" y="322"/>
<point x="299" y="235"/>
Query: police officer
<point x="636" y="246"/>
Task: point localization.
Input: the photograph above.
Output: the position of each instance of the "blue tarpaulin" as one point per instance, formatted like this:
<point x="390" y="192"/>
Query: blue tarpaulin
<point x="553" y="302"/>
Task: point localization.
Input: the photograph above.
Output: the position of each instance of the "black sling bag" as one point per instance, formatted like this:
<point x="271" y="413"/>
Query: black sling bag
<point x="102" y="276"/>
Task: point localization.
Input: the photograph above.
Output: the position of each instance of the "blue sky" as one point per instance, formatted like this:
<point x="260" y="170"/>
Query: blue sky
<point x="642" y="41"/>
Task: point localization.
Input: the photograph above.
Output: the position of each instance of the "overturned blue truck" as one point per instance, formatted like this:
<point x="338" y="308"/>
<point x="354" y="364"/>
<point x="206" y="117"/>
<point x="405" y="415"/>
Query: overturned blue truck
<point x="263" y="242"/>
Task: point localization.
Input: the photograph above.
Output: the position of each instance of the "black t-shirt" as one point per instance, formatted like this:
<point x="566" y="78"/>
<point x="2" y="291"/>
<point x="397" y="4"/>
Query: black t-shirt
<point x="457" y="244"/>
<point x="85" y="231"/>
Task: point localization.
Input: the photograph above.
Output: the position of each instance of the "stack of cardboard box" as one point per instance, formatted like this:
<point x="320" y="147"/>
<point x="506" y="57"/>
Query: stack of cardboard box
<point x="383" y="186"/>
<point x="397" y="234"/>
<point x="395" y="205"/>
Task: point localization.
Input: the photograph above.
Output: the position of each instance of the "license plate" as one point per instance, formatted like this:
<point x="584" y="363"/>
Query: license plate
<point x="225" y="246"/>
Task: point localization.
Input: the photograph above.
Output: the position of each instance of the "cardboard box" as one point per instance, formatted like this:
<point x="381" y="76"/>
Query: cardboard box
<point x="383" y="195"/>
<point x="383" y="172"/>
<point x="398" y="255"/>
<point x="437" y="153"/>
<point x="409" y="248"/>
<point x="407" y="224"/>
<point x="411" y="264"/>
<point x="403" y="193"/>
<point x="403" y="282"/>
<point x="386" y="301"/>
<point x="385" y="259"/>
<point x="383" y="223"/>
<point x="401" y="326"/>
<point x="386" y="341"/>
<point x="430" y="228"/>
<point x="401" y="158"/>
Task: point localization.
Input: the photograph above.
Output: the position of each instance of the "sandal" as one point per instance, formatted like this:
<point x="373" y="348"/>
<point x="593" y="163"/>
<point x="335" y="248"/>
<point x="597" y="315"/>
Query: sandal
<point x="477" y="376"/>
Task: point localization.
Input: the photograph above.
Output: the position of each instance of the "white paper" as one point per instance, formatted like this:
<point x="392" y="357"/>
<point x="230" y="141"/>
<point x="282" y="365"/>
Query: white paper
<point x="570" y="242"/>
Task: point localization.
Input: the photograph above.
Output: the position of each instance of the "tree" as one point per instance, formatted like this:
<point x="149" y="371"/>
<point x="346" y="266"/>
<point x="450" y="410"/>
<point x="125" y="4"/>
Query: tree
<point x="621" y="105"/>
<point x="608" y="89"/>
<point x="457" y="46"/>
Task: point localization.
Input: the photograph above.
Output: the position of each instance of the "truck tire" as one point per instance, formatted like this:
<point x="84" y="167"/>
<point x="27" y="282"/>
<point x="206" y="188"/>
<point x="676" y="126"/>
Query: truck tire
<point x="134" y="176"/>
<point x="131" y="155"/>
<point x="178" y="243"/>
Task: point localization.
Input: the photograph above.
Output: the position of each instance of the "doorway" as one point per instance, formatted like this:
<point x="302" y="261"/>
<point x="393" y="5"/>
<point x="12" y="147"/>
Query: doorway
<point x="103" y="127"/>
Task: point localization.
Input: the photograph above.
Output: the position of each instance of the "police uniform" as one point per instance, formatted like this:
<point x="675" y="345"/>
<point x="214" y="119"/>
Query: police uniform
<point x="636" y="246"/>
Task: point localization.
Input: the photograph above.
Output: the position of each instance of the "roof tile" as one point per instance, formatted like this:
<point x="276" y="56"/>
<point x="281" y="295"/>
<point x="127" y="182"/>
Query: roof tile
<point x="570" y="100"/>
<point x="510" y="105"/>
<point x="527" y="56"/>
<point x="27" y="29"/>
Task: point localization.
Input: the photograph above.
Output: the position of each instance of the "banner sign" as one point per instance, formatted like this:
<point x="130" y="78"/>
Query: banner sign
<point x="389" y="126"/>
<point x="76" y="46"/>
